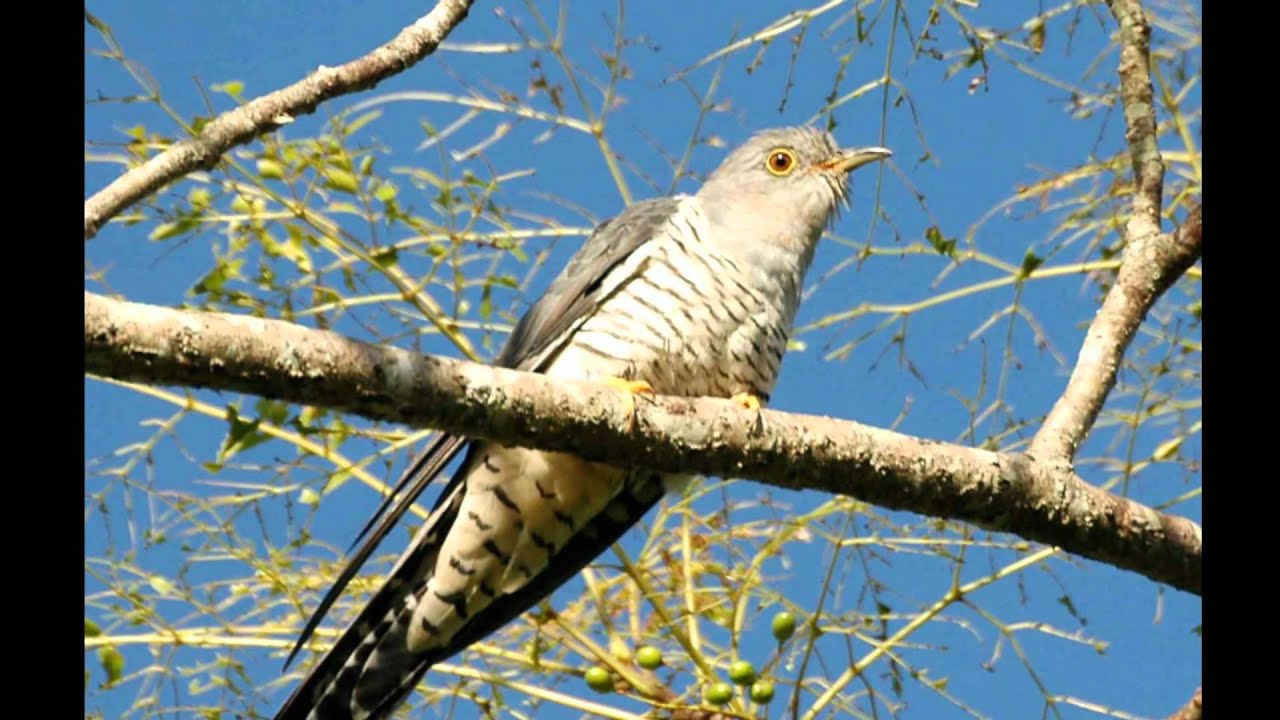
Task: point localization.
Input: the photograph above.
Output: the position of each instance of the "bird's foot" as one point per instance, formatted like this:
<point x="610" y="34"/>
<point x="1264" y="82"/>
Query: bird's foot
<point x="630" y="388"/>
<point x="747" y="401"/>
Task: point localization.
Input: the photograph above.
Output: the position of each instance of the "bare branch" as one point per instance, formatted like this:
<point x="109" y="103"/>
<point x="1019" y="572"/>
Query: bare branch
<point x="280" y="360"/>
<point x="1192" y="710"/>
<point x="1152" y="261"/>
<point x="268" y="112"/>
<point x="1139" y="118"/>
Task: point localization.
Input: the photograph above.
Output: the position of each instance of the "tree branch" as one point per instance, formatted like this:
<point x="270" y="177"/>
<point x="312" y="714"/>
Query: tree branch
<point x="1192" y="710"/>
<point x="1152" y="260"/>
<point x="268" y="112"/>
<point x="280" y="360"/>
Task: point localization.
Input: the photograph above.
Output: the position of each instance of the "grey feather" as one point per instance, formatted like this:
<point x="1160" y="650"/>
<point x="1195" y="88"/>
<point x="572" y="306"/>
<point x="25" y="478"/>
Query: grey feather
<point x="695" y="294"/>
<point x="570" y="298"/>
<point x="574" y="294"/>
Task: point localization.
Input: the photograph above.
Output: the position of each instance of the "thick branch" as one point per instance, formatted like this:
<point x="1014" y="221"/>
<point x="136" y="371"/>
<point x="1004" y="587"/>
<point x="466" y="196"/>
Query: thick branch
<point x="1004" y="492"/>
<point x="1152" y="261"/>
<point x="266" y="113"/>
<point x="1193" y="710"/>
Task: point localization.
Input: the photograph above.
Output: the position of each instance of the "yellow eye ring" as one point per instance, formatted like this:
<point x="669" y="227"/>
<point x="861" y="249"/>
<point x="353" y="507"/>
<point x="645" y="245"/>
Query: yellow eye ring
<point x="780" y="161"/>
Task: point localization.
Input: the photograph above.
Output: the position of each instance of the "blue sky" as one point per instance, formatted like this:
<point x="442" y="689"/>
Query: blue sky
<point x="963" y="151"/>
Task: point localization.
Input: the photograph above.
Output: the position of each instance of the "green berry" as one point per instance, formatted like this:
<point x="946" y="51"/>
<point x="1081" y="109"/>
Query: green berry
<point x="742" y="672"/>
<point x="599" y="679"/>
<point x="784" y="626"/>
<point x="649" y="657"/>
<point x="718" y="693"/>
<point x="761" y="691"/>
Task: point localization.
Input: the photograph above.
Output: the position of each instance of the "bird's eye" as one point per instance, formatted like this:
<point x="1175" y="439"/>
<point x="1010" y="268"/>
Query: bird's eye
<point x="780" y="161"/>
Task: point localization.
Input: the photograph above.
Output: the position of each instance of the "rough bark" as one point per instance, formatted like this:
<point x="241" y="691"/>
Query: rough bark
<point x="1152" y="260"/>
<point x="1193" y="710"/>
<point x="1039" y="501"/>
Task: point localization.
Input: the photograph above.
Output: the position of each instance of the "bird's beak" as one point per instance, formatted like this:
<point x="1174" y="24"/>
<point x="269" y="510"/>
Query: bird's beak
<point x="849" y="160"/>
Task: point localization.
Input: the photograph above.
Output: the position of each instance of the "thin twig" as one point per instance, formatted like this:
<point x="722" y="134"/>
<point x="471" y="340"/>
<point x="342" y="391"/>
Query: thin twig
<point x="1152" y="262"/>
<point x="268" y="112"/>
<point x="1190" y="711"/>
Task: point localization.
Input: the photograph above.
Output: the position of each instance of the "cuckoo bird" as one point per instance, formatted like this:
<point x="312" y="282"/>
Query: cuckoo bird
<point x="687" y="295"/>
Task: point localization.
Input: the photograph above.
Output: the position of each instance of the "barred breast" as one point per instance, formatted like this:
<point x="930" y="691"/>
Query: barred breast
<point x="688" y="317"/>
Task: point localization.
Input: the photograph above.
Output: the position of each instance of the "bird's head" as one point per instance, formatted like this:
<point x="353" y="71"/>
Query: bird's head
<point x="784" y="184"/>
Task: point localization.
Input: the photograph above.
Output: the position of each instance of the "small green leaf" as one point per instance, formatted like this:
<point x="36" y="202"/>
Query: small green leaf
<point x="161" y="585"/>
<point x="306" y="420"/>
<point x="354" y="126"/>
<point x="218" y="277"/>
<point x="341" y="180"/>
<point x="272" y="411"/>
<point x="344" y="207"/>
<point x="112" y="663"/>
<point x="241" y="204"/>
<point x="233" y="88"/>
<point x="1029" y="265"/>
<point x="241" y="436"/>
<point x="385" y="257"/>
<point x="164" y="231"/>
<point x="270" y="169"/>
<point x="944" y="246"/>
<point x="309" y="497"/>
<point x="200" y="198"/>
<point x="1036" y="37"/>
<point x="1167" y="449"/>
<point x="91" y="628"/>
<point x="96" y="23"/>
<point x="386" y="192"/>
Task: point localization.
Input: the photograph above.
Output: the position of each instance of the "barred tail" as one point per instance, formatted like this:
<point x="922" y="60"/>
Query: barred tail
<point x="369" y="671"/>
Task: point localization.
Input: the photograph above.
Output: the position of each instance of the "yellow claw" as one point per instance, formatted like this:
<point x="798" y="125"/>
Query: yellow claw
<point x="631" y="388"/>
<point x="634" y="387"/>
<point x="750" y="402"/>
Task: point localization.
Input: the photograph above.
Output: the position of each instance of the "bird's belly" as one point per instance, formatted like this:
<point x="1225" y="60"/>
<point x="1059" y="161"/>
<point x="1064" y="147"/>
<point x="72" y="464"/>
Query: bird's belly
<point x="681" y="343"/>
<point x="520" y="509"/>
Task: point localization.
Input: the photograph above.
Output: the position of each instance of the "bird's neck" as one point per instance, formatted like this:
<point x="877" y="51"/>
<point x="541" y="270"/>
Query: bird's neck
<point x="778" y="254"/>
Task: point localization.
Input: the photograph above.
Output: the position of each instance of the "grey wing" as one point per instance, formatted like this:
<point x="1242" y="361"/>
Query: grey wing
<point x="575" y="294"/>
<point x="570" y="299"/>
